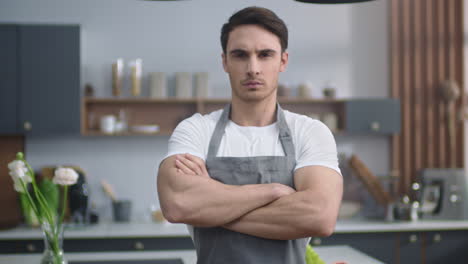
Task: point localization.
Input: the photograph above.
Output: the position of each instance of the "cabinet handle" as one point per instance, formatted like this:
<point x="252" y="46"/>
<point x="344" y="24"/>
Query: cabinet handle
<point x="375" y="126"/>
<point x="316" y="241"/>
<point x="27" y="126"/>
<point x="437" y="238"/>
<point x="139" y="245"/>
<point x="413" y="238"/>
<point x="30" y="247"/>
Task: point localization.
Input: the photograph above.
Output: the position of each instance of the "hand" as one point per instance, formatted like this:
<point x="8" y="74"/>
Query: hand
<point x="191" y="165"/>
<point x="282" y="190"/>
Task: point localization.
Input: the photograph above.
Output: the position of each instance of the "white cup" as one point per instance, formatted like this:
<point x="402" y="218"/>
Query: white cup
<point x="330" y="120"/>
<point x="108" y="124"/>
<point x="183" y="85"/>
<point x="201" y="84"/>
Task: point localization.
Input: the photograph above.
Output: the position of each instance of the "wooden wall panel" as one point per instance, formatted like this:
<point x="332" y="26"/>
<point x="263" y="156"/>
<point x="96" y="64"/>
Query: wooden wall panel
<point x="426" y="49"/>
<point x="10" y="211"/>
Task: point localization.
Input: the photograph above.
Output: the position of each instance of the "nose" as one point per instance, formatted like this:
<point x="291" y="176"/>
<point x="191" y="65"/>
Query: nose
<point x="253" y="67"/>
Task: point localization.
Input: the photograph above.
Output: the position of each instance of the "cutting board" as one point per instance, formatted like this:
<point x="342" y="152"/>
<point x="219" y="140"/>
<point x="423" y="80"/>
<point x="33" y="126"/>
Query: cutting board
<point x="371" y="182"/>
<point x="10" y="215"/>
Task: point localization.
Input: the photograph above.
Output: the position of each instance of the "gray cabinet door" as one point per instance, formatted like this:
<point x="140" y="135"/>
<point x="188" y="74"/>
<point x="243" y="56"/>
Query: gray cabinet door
<point x="49" y="63"/>
<point x="410" y="248"/>
<point x="381" y="246"/>
<point x="372" y="116"/>
<point x="446" y="247"/>
<point x="8" y="80"/>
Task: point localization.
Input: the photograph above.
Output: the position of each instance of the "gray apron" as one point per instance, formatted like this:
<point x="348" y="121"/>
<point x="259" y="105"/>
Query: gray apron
<point x="219" y="245"/>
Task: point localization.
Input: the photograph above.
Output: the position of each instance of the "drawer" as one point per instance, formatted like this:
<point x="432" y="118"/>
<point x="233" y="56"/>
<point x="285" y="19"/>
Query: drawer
<point x="100" y="245"/>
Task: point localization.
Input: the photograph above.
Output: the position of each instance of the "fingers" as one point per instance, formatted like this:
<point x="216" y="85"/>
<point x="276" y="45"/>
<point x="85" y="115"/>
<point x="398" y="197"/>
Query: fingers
<point x="198" y="161"/>
<point x="282" y="190"/>
<point x="187" y="165"/>
<point x="181" y="167"/>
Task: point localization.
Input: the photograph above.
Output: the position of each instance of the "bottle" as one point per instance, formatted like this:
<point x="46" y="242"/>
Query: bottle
<point x="117" y="71"/>
<point x="135" y="76"/>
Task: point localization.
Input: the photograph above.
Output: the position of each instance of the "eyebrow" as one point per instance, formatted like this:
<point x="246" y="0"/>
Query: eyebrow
<point x="240" y="51"/>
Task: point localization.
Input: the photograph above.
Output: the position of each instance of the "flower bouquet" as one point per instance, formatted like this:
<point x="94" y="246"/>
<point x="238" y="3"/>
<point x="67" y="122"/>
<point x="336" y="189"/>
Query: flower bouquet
<point x="42" y="204"/>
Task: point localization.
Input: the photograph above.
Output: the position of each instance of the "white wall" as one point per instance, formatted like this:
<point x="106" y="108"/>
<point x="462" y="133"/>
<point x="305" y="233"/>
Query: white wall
<point x="346" y="44"/>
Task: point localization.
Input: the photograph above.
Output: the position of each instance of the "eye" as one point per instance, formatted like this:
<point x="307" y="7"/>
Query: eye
<point x="265" y="54"/>
<point x="238" y="54"/>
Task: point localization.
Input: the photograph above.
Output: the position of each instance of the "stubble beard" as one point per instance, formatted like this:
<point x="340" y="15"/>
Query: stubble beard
<point x="253" y="96"/>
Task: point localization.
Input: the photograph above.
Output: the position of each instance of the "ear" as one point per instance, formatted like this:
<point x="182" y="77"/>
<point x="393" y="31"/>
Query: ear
<point x="223" y="56"/>
<point x="284" y="61"/>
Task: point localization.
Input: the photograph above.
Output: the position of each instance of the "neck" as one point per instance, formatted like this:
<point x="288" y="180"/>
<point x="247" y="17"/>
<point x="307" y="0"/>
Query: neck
<point x="254" y="113"/>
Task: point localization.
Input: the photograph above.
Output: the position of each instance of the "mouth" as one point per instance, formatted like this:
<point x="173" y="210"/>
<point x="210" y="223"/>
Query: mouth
<point x="252" y="84"/>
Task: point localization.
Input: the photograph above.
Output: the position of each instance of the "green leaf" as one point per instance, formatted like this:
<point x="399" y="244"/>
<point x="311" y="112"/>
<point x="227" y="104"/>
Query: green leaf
<point x="29" y="216"/>
<point x="50" y="191"/>
<point x="312" y="257"/>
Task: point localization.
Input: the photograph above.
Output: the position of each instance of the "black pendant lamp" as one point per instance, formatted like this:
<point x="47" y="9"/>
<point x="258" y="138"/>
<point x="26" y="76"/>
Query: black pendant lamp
<point x="332" y="1"/>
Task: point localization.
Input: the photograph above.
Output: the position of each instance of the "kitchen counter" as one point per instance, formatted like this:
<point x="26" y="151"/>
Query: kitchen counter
<point x="375" y="226"/>
<point x="105" y="230"/>
<point x="165" y="240"/>
<point x="329" y="254"/>
<point x="122" y="230"/>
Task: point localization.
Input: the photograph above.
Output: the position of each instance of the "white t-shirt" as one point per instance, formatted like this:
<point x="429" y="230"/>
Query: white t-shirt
<point x="313" y="141"/>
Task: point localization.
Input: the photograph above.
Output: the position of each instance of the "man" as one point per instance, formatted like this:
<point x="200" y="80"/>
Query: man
<point x="252" y="181"/>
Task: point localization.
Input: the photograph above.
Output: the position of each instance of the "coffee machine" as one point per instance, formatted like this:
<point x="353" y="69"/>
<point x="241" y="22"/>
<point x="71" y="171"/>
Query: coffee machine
<point x="443" y="194"/>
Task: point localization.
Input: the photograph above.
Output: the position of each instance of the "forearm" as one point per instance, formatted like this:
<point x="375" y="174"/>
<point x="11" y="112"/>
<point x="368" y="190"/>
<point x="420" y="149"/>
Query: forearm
<point x="301" y="214"/>
<point x="201" y="201"/>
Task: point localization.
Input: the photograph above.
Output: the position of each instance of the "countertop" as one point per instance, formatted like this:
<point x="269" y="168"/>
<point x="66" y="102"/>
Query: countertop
<point x="329" y="254"/>
<point x="122" y="230"/>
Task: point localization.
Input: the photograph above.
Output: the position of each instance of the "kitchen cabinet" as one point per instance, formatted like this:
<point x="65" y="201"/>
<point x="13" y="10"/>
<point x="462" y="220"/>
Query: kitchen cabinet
<point x="380" y="117"/>
<point x="134" y="248"/>
<point x="446" y="247"/>
<point x="373" y="116"/>
<point x="410" y="247"/>
<point x="422" y="247"/>
<point x="135" y="244"/>
<point x="40" y="79"/>
<point x="152" y="261"/>
<point x="377" y="245"/>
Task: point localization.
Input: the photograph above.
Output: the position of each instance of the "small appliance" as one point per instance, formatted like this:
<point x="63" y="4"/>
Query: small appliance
<point x="443" y="194"/>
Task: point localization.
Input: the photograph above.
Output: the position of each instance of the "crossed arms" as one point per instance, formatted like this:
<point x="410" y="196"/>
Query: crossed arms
<point x="274" y="211"/>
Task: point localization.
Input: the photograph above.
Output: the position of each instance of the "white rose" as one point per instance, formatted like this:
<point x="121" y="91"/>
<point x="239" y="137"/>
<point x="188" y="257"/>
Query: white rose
<point x="18" y="169"/>
<point x="65" y="176"/>
<point x="18" y="172"/>
<point x="18" y="186"/>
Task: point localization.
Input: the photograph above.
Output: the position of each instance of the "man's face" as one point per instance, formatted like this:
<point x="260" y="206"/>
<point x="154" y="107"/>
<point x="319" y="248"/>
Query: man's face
<point x="253" y="61"/>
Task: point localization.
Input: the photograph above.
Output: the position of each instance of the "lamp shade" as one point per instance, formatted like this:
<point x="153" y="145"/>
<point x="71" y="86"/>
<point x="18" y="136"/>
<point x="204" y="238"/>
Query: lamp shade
<point x="332" y="1"/>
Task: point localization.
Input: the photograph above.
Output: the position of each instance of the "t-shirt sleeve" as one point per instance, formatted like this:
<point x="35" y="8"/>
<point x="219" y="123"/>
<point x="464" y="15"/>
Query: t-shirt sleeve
<point x="188" y="137"/>
<point x="316" y="146"/>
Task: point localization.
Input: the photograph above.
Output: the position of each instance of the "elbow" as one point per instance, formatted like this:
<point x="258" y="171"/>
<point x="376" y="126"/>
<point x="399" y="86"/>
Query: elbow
<point x="322" y="227"/>
<point x="173" y="211"/>
<point x="327" y="228"/>
<point x="322" y="223"/>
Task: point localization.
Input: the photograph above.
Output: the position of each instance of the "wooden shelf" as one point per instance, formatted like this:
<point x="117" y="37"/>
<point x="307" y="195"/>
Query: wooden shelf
<point x="136" y="100"/>
<point x="167" y="113"/>
<point x="124" y="134"/>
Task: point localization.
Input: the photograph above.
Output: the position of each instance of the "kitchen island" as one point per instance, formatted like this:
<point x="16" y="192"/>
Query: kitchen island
<point x="132" y="242"/>
<point x="329" y="254"/>
<point x="390" y="242"/>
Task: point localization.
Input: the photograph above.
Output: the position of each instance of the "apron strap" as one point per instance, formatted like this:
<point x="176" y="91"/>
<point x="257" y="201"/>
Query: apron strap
<point x="284" y="133"/>
<point x="218" y="132"/>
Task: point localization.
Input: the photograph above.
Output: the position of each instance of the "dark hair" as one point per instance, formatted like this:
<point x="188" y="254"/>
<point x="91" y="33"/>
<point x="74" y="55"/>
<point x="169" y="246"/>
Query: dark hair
<point x="256" y="16"/>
